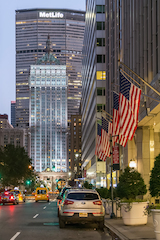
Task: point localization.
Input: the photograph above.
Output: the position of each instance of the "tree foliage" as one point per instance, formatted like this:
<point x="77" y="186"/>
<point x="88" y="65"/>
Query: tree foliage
<point x="87" y="185"/>
<point x="155" y="178"/>
<point x="14" y="165"/>
<point x="131" y="184"/>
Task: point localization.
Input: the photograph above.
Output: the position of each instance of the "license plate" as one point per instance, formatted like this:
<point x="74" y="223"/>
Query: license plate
<point x="83" y="214"/>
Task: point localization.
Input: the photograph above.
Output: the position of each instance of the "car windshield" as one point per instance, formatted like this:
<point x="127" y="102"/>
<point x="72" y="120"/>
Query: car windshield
<point x="83" y="196"/>
<point x="41" y="192"/>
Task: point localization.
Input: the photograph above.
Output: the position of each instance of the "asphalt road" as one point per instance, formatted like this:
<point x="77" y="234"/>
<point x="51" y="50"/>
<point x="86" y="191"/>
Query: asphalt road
<point x="39" y="221"/>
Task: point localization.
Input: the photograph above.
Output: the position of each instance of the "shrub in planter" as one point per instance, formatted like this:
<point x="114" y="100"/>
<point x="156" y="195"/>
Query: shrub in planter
<point x="155" y="192"/>
<point x="103" y="192"/>
<point x="131" y="186"/>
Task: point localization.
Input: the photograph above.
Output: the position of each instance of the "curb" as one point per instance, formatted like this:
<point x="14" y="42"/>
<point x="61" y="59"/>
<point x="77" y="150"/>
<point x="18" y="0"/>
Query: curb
<point x="115" y="232"/>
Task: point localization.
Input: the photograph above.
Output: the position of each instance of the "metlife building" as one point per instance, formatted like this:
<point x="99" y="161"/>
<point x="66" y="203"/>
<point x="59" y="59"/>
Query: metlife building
<point x="66" y="30"/>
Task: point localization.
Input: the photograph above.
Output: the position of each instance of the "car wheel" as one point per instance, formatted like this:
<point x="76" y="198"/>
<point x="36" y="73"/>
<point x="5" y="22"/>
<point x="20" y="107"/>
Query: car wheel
<point x="36" y="201"/>
<point x="58" y="212"/>
<point x="48" y="200"/>
<point x="17" y="202"/>
<point x="14" y="203"/>
<point x="61" y="223"/>
<point x="24" y="200"/>
<point x="3" y="203"/>
<point x="101" y="225"/>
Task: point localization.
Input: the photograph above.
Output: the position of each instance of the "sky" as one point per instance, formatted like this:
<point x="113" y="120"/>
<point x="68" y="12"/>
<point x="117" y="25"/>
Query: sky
<point x="7" y="42"/>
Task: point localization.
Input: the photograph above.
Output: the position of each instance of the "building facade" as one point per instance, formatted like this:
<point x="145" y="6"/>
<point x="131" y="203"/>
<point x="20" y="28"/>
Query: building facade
<point x="93" y="87"/>
<point x="13" y="113"/>
<point x="66" y="30"/>
<point x="133" y="39"/>
<point x="75" y="153"/>
<point x="48" y="117"/>
<point x="16" y="136"/>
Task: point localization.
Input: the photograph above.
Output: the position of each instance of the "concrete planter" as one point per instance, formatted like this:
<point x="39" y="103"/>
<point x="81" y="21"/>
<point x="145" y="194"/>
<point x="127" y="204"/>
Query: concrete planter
<point x="156" y="222"/>
<point x="133" y="213"/>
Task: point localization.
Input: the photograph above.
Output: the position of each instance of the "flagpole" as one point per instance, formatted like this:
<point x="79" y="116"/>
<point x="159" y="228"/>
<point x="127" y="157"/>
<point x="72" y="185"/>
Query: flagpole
<point x="140" y="78"/>
<point x="112" y="213"/>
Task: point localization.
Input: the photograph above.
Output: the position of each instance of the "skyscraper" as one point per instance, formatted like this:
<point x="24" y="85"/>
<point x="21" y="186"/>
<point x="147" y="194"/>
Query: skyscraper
<point x="13" y="113"/>
<point x="93" y="87"/>
<point x="66" y="30"/>
<point x="48" y="113"/>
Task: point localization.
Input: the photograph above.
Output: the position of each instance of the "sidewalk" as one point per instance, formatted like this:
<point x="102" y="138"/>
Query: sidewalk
<point x="130" y="232"/>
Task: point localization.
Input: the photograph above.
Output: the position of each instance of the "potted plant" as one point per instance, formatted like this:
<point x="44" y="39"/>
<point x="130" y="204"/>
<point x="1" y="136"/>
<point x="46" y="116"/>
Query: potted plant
<point x="155" y="192"/>
<point x="131" y="189"/>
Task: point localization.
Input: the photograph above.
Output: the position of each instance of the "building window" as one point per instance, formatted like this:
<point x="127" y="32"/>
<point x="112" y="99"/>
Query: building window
<point x="99" y="42"/>
<point x="99" y="25"/>
<point x="99" y="9"/>
<point x="103" y="25"/>
<point x="99" y="58"/>
<point x="99" y="91"/>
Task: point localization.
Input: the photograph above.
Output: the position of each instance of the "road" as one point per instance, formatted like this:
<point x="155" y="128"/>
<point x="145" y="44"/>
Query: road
<point x="39" y="221"/>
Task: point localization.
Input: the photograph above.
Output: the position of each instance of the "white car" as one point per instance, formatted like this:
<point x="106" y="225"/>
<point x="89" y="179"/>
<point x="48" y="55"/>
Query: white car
<point x="81" y="206"/>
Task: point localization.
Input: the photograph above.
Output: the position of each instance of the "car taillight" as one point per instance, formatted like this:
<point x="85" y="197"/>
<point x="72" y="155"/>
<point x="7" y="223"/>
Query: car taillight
<point x="11" y="197"/>
<point x="47" y="195"/>
<point x="97" y="202"/>
<point x="67" y="202"/>
<point x="6" y="193"/>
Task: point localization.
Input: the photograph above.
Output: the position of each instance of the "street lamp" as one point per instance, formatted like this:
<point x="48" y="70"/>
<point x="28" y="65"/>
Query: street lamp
<point x="132" y="163"/>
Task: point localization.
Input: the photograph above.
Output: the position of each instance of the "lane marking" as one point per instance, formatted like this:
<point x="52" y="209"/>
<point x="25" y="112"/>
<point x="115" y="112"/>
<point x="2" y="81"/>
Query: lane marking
<point x="44" y="208"/>
<point x="16" y="235"/>
<point x="36" y="216"/>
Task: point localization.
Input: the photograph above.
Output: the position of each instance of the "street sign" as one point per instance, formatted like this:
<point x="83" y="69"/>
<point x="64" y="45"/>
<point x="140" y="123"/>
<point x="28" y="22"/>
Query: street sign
<point x="115" y="151"/>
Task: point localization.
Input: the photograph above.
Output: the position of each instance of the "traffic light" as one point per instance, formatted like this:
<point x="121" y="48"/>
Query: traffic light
<point x="28" y="182"/>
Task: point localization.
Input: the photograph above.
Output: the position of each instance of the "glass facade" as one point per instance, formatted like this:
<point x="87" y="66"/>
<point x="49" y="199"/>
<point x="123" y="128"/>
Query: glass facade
<point x="66" y="30"/>
<point x="48" y="117"/>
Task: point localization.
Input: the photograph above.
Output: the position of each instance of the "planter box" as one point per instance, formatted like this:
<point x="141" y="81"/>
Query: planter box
<point x="134" y="216"/>
<point x="156" y="222"/>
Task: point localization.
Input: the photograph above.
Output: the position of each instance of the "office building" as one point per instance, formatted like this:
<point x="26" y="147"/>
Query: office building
<point x="48" y="113"/>
<point x="66" y="30"/>
<point x="75" y="153"/>
<point x="9" y="135"/>
<point x="133" y="38"/>
<point x="13" y="113"/>
<point x="93" y="88"/>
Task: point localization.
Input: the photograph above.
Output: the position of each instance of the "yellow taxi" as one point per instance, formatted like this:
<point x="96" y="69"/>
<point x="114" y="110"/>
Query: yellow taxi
<point x="41" y="194"/>
<point x="19" y="194"/>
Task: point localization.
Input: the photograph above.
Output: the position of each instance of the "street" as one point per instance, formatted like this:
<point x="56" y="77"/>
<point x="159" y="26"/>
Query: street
<point x="39" y="221"/>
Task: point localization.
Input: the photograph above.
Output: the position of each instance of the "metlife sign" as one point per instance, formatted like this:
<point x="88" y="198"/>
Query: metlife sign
<point x="51" y="15"/>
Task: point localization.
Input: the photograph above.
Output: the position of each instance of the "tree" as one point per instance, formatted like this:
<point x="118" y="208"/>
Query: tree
<point x="155" y="178"/>
<point x="14" y="165"/>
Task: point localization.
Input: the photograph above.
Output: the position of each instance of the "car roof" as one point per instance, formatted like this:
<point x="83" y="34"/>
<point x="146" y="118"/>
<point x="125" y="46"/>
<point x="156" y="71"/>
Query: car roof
<point x="82" y="190"/>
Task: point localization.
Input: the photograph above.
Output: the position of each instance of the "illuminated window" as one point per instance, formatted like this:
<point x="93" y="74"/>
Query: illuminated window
<point x="101" y="75"/>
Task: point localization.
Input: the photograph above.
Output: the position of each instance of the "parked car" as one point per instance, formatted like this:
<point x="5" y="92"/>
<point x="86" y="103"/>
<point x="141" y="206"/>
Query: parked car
<point x="9" y="197"/>
<point x="60" y="197"/>
<point x="20" y="195"/>
<point x="81" y="206"/>
<point x="41" y="194"/>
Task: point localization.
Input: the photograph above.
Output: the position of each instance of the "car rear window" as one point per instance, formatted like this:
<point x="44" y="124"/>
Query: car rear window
<point x="83" y="196"/>
<point x="41" y="192"/>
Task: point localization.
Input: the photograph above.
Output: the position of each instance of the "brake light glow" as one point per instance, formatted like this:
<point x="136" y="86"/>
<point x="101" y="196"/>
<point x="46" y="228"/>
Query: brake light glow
<point x="6" y="193"/>
<point x="67" y="202"/>
<point x="69" y="212"/>
<point x="97" y="202"/>
<point x="47" y="195"/>
<point x="11" y="197"/>
<point x="97" y="213"/>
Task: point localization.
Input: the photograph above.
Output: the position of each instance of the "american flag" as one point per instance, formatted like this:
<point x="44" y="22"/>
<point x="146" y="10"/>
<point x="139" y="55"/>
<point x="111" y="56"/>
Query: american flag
<point x="98" y="150"/>
<point x="129" y="101"/>
<point x="116" y="132"/>
<point x="105" y="136"/>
